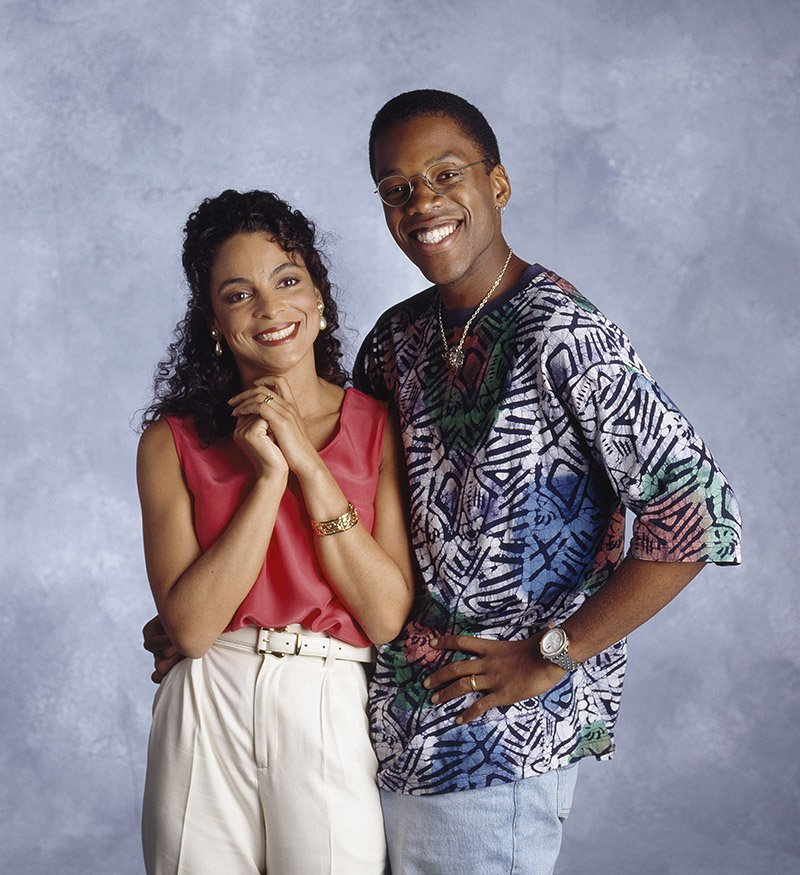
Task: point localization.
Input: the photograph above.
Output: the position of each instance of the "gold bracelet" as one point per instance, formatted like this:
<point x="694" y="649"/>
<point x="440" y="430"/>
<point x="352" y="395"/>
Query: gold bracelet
<point x="341" y="524"/>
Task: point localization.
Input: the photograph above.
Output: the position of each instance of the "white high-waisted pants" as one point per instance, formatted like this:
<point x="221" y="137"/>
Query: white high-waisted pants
<point x="261" y="764"/>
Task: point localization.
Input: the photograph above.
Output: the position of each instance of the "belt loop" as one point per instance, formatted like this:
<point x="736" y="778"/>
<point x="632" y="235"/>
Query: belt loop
<point x="330" y="658"/>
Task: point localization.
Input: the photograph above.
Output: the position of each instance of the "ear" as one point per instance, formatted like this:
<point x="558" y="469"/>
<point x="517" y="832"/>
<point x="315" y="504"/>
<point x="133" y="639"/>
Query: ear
<point x="501" y="185"/>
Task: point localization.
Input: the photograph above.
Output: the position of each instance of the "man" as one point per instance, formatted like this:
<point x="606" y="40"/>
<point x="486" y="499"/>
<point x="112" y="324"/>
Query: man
<point x="528" y="421"/>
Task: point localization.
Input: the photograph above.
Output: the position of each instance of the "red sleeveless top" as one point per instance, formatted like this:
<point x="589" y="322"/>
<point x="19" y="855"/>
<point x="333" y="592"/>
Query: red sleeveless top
<point x="290" y="588"/>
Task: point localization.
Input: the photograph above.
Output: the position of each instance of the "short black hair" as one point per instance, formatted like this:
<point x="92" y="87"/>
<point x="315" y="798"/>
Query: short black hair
<point x="429" y="101"/>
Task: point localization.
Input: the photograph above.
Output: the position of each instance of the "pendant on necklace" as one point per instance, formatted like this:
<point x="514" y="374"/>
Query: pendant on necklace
<point x="453" y="358"/>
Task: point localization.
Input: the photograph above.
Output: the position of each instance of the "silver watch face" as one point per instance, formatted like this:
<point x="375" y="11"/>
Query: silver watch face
<point x="553" y="642"/>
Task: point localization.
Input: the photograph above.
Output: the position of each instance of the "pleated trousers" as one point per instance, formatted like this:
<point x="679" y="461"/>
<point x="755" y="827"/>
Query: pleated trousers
<point x="261" y="764"/>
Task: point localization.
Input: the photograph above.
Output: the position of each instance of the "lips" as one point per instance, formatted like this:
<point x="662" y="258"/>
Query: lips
<point x="279" y="334"/>
<point x="432" y="235"/>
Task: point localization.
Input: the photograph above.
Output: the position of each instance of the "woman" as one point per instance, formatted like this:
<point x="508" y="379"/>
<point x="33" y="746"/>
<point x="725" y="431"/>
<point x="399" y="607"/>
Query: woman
<point x="273" y="524"/>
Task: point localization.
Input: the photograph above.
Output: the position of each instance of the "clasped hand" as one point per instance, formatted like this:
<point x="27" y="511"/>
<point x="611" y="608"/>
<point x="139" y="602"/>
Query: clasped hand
<point x="269" y="428"/>
<point x="503" y="672"/>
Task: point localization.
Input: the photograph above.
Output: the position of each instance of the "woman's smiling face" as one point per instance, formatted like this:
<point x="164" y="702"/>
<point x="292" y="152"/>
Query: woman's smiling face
<point x="265" y="306"/>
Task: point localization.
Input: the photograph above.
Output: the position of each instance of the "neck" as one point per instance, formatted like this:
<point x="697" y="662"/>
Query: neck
<point x="470" y="291"/>
<point x="310" y="395"/>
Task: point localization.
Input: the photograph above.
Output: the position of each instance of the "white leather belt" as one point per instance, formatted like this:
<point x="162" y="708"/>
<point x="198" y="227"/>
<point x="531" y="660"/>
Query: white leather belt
<point x="282" y="642"/>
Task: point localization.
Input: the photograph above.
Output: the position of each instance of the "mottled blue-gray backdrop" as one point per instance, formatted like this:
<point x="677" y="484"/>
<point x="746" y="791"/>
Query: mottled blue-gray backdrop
<point x="653" y="149"/>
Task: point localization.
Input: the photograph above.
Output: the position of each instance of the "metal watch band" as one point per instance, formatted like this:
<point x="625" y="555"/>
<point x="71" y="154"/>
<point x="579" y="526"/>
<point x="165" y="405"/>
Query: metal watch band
<point x="563" y="660"/>
<point x="561" y="657"/>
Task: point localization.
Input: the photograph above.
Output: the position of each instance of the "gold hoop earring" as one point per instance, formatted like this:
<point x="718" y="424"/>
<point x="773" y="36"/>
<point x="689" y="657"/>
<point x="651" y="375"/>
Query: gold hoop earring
<point x="323" y="322"/>
<point x="217" y="345"/>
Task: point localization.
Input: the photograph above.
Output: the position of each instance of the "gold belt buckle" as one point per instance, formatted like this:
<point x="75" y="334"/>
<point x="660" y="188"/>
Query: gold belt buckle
<point x="297" y="643"/>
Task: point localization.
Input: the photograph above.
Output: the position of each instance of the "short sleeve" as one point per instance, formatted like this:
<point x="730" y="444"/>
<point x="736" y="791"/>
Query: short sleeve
<point x="685" y="509"/>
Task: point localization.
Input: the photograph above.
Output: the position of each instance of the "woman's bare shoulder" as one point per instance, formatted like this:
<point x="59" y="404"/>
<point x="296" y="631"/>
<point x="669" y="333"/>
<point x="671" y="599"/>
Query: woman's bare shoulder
<point x="157" y="445"/>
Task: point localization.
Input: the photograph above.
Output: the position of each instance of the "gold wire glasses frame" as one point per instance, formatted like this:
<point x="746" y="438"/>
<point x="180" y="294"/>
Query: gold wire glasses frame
<point x="395" y="191"/>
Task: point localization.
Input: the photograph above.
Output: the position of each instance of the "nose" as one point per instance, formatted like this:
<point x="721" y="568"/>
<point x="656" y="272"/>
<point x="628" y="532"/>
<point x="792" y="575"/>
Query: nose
<point x="422" y="194"/>
<point x="268" y="303"/>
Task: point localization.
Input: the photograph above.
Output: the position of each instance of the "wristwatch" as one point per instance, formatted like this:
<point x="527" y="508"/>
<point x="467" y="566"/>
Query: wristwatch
<point x="554" y="646"/>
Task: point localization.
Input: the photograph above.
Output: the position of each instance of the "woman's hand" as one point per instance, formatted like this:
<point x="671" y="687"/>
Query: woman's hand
<point x="271" y="401"/>
<point x="253" y="439"/>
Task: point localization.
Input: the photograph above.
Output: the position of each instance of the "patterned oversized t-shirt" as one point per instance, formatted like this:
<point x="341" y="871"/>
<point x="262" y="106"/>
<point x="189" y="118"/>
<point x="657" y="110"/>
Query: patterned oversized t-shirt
<point x="519" y="468"/>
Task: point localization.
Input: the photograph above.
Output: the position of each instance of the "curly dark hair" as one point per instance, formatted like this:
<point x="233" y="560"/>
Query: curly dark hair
<point x="426" y="102"/>
<point x="191" y="380"/>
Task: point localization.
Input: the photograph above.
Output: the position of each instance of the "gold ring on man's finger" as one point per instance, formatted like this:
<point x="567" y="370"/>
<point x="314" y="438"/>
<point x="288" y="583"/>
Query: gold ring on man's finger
<point x="268" y="398"/>
<point x="473" y="683"/>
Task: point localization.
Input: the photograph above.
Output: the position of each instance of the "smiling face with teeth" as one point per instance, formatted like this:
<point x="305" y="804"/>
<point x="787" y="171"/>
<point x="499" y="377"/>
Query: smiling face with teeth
<point x="455" y="239"/>
<point x="265" y="306"/>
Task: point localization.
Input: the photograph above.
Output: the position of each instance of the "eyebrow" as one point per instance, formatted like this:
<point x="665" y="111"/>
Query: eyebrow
<point x="234" y="280"/>
<point x="393" y="171"/>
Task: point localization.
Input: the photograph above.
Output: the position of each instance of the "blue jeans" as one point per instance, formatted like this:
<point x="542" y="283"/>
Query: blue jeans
<point x="506" y="829"/>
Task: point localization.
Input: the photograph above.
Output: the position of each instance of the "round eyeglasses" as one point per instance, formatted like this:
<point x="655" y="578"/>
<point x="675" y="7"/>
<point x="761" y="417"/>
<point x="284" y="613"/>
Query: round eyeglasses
<point x="395" y="191"/>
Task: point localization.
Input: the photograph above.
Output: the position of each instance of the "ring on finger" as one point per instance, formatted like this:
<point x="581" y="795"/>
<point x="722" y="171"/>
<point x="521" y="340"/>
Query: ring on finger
<point x="473" y="683"/>
<point x="268" y="398"/>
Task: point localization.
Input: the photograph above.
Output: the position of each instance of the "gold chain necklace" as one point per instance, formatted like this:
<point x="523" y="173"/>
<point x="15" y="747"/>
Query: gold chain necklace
<point x="454" y="355"/>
